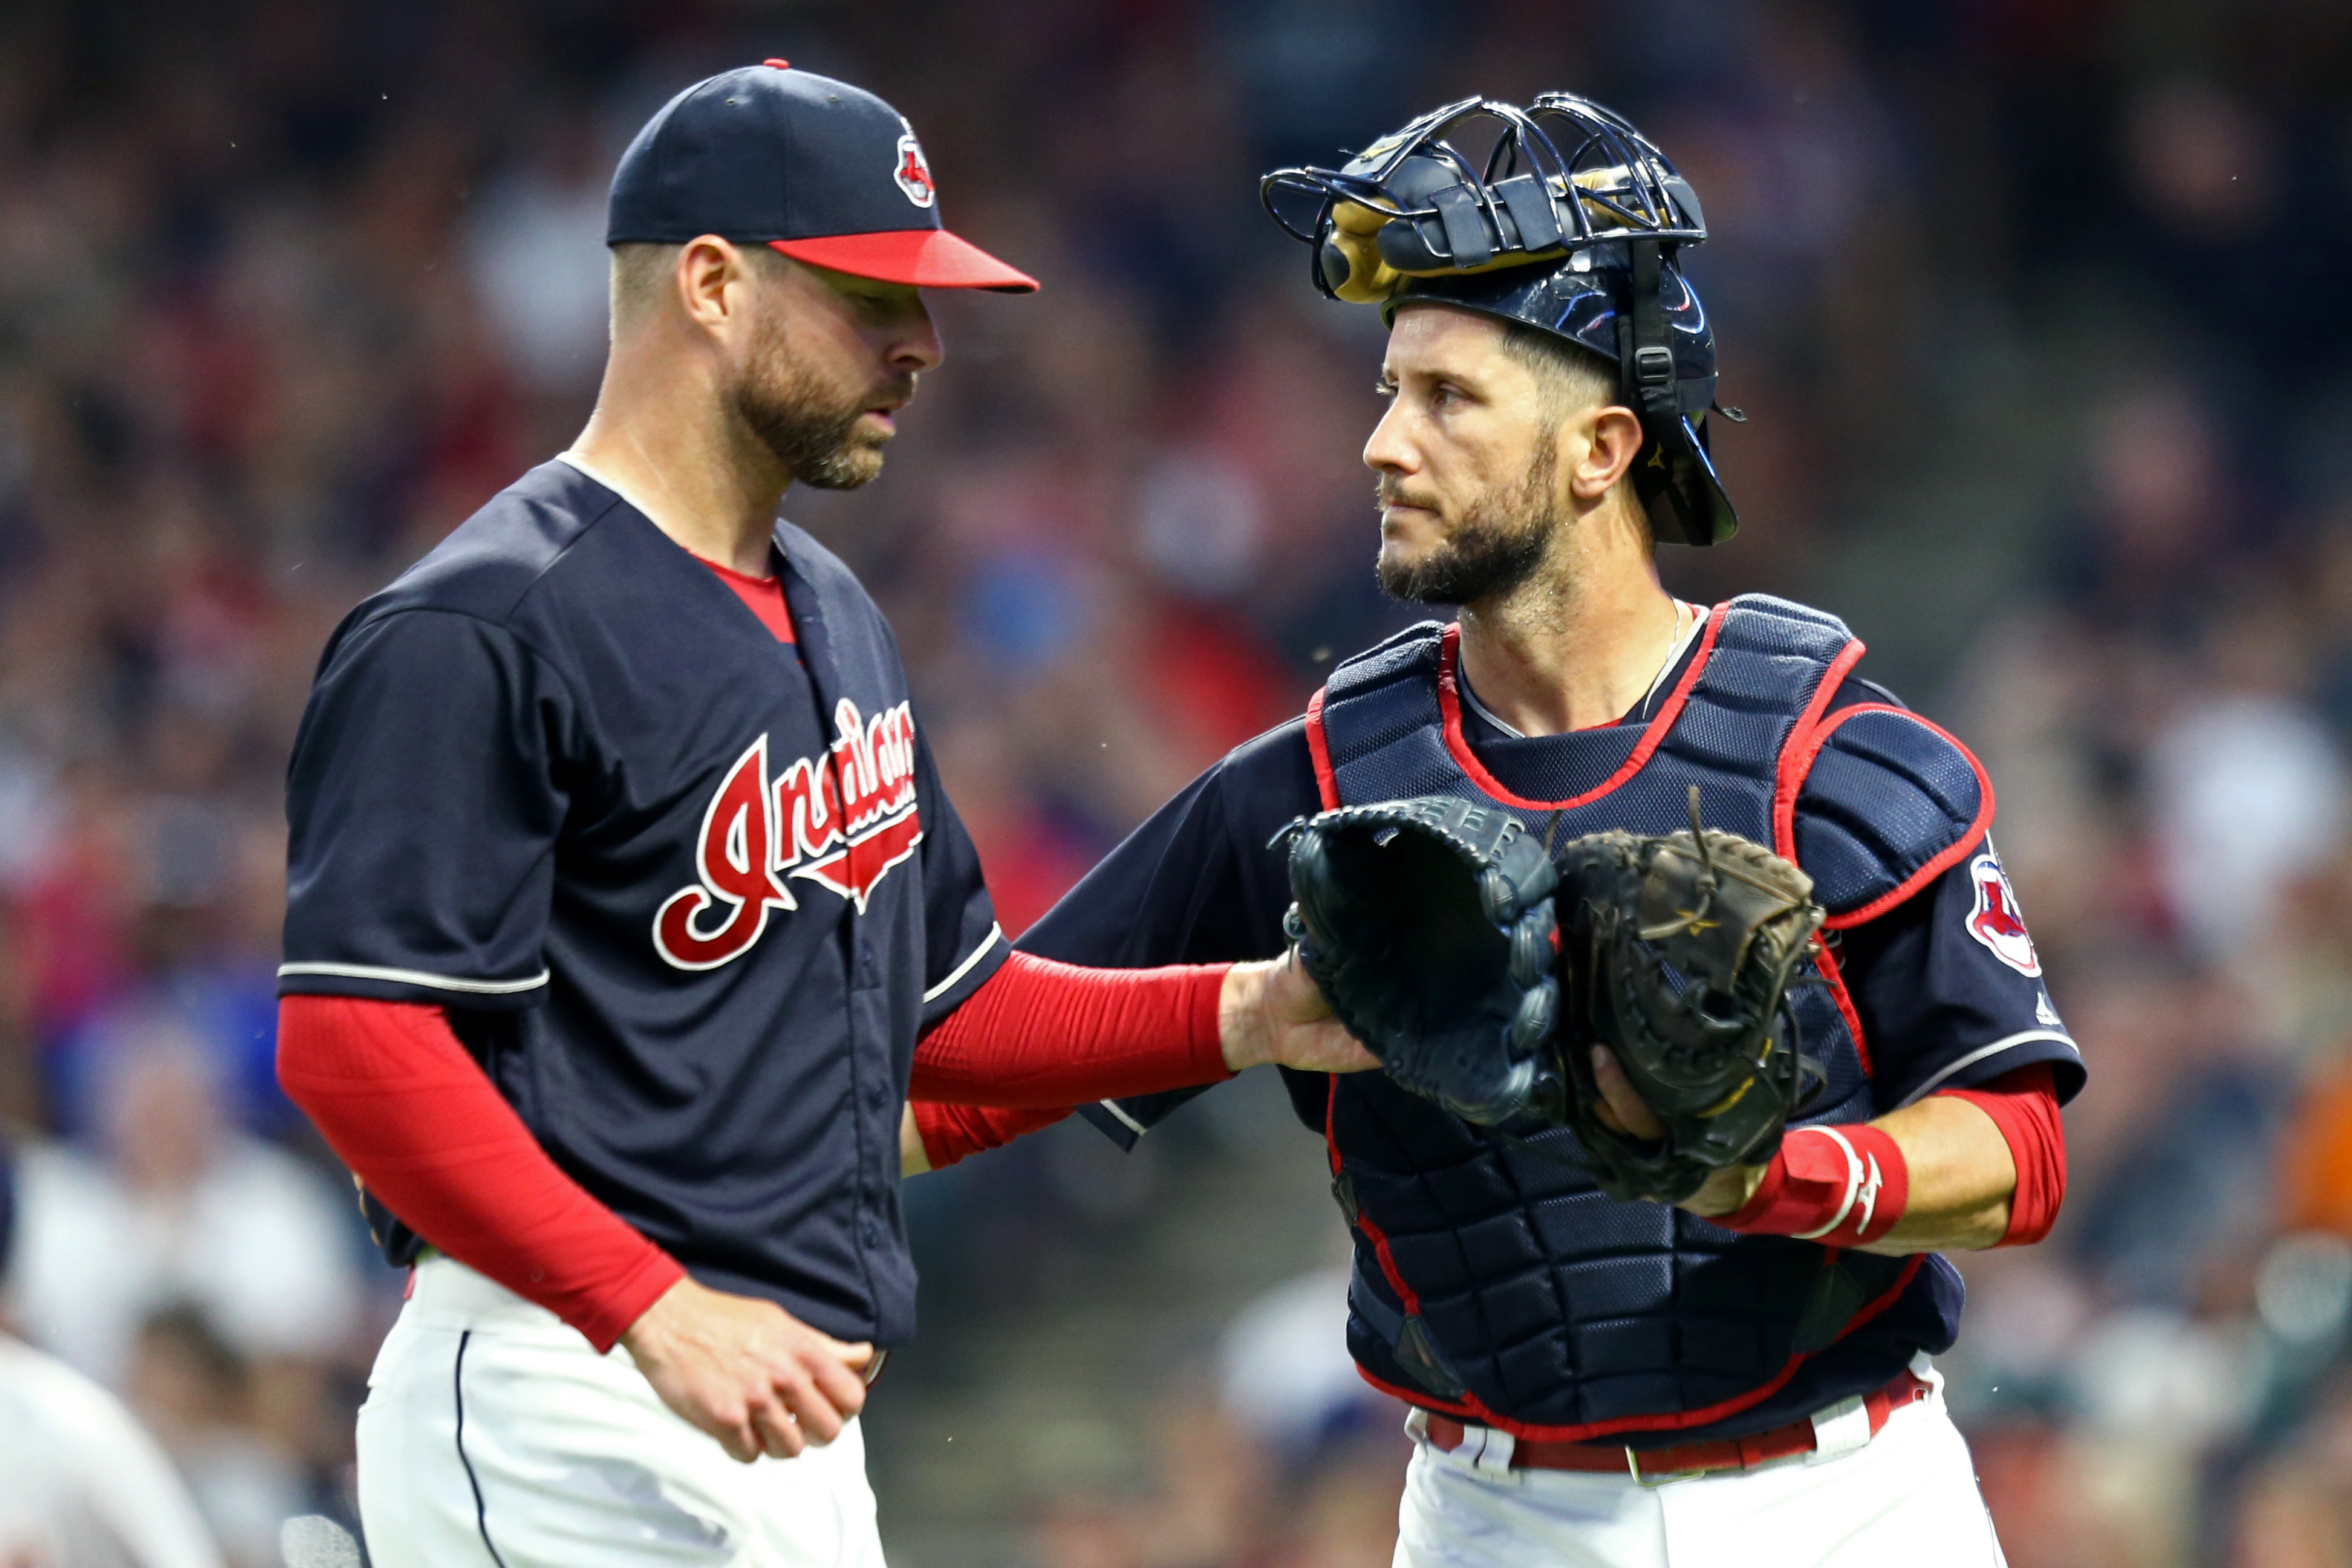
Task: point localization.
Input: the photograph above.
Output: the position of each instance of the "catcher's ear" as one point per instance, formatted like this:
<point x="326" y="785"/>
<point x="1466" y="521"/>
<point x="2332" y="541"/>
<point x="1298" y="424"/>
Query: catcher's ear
<point x="1602" y="445"/>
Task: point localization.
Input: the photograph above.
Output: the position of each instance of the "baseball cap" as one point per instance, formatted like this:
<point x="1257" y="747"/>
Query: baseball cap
<point x="822" y="171"/>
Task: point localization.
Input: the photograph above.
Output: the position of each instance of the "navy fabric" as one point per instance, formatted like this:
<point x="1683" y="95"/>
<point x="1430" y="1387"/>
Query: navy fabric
<point x="688" y="894"/>
<point x="1199" y="883"/>
<point x="762" y="153"/>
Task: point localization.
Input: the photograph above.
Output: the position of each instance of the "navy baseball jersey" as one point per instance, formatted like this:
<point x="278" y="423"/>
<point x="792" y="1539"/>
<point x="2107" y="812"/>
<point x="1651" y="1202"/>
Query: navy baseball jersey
<point x="688" y="894"/>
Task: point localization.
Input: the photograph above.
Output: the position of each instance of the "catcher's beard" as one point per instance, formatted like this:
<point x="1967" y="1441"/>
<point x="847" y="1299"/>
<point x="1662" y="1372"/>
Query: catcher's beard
<point x="809" y="423"/>
<point x="1495" y="547"/>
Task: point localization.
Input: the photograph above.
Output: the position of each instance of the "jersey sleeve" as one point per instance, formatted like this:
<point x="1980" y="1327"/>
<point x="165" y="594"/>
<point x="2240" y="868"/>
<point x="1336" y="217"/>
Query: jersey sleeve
<point x="1949" y="991"/>
<point x="962" y="943"/>
<point x="428" y="783"/>
<point x="1199" y="883"/>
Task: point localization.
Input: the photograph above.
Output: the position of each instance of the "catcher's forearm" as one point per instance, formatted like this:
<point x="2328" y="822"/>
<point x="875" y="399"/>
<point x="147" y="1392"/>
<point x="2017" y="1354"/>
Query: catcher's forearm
<point x="1962" y="1178"/>
<point x="1960" y="1174"/>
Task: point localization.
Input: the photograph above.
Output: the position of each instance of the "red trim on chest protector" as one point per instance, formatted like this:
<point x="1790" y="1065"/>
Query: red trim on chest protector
<point x="1803" y="752"/>
<point x="1449" y="703"/>
<point x="1470" y="1407"/>
<point x="1318" y="749"/>
<point x="1796" y="761"/>
<point x="1825" y="960"/>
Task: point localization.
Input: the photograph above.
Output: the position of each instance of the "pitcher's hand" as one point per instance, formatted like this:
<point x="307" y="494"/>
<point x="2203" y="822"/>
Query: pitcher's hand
<point x="1271" y="1011"/>
<point x="747" y="1372"/>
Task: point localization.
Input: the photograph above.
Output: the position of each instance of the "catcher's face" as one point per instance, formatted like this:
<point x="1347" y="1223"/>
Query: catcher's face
<point x="1478" y="462"/>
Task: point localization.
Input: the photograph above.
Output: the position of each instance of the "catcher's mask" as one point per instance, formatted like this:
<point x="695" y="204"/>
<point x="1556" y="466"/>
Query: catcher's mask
<point x="1567" y="222"/>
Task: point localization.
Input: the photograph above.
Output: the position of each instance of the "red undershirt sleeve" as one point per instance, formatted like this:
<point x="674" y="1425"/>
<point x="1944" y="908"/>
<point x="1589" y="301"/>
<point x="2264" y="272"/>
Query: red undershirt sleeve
<point x="952" y="1133"/>
<point x="396" y="1095"/>
<point x="1042" y="1035"/>
<point x="2024" y="1105"/>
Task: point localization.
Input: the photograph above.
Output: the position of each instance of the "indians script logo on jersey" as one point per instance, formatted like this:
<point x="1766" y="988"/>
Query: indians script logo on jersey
<point x="914" y="172"/>
<point x="1995" y="921"/>
<point x="841" y="821"/>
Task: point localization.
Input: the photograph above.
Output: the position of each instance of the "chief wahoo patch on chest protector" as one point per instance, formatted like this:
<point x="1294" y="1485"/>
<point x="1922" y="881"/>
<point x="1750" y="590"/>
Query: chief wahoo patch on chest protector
<point x="1995" y="921"/>
<point x="840" y="820"/>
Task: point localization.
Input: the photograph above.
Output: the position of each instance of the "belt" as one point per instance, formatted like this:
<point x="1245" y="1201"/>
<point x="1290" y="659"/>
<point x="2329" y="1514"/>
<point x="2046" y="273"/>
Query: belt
<point x="1656" y="1466"/>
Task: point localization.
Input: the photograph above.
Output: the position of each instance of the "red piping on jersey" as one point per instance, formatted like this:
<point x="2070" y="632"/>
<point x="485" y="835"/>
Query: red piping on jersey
<point x="1471" y="1409"/>
<point x="1319" y="748"/>
<point x="1797" y="752"/>
<point x="1449" y="701"/>
<point x="1943" y="860"/>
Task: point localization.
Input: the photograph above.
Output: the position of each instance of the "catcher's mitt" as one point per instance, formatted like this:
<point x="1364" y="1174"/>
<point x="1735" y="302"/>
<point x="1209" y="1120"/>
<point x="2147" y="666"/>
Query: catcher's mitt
<point x="1428" y="925"/>
<point x="1676" y="952"/>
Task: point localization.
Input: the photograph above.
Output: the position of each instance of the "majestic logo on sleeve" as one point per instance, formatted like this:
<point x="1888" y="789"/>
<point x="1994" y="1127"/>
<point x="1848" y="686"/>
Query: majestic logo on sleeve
<point x="841" y="821"/>
<point x="1995" y="921"/>
<point x="914" y="172"/>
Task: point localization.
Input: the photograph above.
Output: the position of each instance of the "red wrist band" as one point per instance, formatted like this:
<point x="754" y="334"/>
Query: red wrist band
<point x="1842" y="1186"/>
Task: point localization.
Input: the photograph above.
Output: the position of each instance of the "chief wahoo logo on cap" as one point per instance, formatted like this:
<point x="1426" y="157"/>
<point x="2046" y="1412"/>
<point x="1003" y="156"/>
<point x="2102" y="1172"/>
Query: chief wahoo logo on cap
<point x="913" y="173"/>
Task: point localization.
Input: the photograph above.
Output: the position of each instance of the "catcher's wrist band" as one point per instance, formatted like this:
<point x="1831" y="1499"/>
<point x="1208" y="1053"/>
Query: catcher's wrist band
<point x="1842" y="1186"/>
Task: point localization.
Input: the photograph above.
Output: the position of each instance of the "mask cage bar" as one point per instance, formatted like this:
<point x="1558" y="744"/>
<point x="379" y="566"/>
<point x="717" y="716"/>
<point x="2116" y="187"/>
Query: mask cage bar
<point x="1642" y="202"/>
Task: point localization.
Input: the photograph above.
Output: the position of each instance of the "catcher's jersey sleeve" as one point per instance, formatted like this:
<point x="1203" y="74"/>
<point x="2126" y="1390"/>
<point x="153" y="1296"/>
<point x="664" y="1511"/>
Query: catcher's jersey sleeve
<point x="1949" y="989"/>
<point x="425" y="796"/>
<point x="962" y="943"/>
<point x="1199" y="883"/>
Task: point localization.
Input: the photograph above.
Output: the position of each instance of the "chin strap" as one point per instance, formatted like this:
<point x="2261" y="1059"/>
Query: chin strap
<point x="1642" y="346"/>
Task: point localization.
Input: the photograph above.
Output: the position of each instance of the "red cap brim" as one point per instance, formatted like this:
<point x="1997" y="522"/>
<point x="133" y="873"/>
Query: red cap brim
<point x="928" y="258"/>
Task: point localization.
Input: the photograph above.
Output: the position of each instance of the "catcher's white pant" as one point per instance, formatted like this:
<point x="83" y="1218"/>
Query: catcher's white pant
<point x="493" y="1436"/>
<point x="1907" y="1496"/>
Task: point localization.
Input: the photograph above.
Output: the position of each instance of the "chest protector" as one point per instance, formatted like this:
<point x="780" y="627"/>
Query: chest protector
<point x="1494" y="1280"/>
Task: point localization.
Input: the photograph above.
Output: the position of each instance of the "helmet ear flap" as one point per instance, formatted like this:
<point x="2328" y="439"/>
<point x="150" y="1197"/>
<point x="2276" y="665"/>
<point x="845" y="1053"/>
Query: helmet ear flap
<point x="1350" y="256"/>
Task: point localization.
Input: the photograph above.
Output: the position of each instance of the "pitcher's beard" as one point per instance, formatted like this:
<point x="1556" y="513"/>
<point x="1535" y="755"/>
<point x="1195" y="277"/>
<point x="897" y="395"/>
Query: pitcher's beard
<point x="1495" y="550"/>
<point x="812" y="429"/>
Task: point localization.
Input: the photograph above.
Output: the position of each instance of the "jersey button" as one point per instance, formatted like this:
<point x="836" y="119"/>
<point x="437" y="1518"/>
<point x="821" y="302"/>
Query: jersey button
<point x="871" y="1232"/>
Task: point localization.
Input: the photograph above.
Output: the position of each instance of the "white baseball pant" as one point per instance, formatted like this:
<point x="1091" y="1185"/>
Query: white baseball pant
<point x="1908" y="1496"/>
<point x="494" y="1437"/>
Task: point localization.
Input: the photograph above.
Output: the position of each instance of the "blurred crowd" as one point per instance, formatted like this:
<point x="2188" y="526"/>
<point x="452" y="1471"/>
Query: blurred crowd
<point x="288" y="289"/>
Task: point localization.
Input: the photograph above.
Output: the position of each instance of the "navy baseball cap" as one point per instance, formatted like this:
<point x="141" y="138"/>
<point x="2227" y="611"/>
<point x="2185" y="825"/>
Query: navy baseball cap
<point x="822" y="171"/>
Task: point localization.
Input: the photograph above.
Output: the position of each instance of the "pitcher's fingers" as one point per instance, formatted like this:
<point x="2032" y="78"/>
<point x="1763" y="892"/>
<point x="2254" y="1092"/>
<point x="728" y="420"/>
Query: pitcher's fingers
<point x="735" y="1434"/>
<point x="819" y="1421"/>
<point x="857" y="1358"/>
<point x="840" y="1384"/>
<point x="780" y="1436"/>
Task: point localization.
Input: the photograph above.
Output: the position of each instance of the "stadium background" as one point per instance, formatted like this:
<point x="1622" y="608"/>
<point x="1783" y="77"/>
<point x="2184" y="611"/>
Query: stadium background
<point x="2039" y="308"/>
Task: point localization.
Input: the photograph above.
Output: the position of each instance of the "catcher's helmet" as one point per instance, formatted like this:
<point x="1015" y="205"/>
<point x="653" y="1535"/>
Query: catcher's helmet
<point x="1569" y="223"/>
